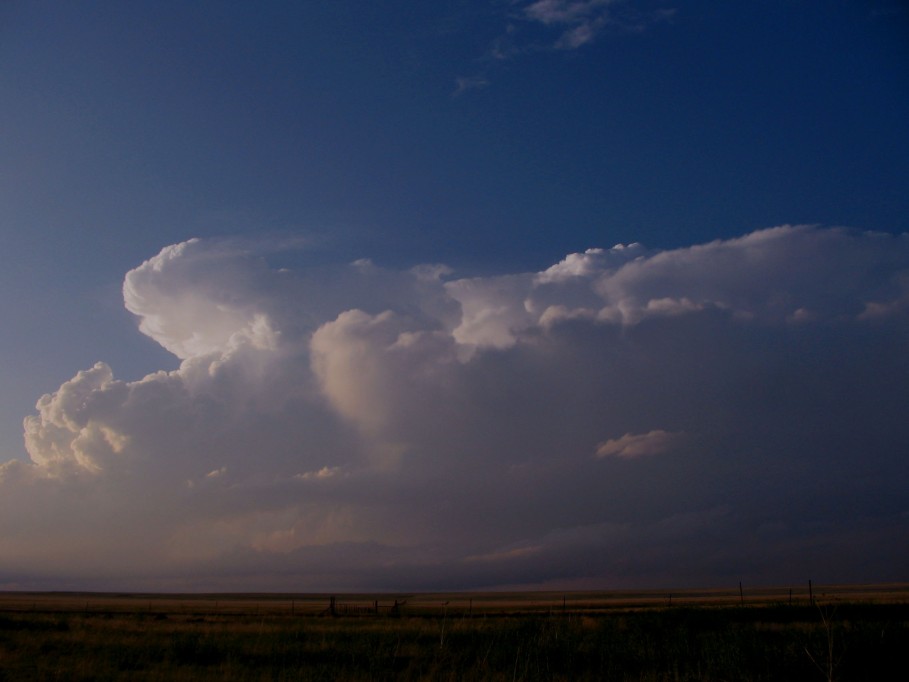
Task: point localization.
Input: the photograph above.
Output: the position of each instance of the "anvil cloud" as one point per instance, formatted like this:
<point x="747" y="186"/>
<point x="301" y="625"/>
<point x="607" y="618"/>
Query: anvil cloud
<point x="730" y="410"/>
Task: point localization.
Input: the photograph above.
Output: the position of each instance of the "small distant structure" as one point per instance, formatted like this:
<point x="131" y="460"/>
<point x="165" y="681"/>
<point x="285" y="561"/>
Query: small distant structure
<point x="336" y="608"/>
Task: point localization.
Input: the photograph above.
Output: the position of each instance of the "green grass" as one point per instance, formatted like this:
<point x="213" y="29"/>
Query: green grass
<point x="679" y="643"/>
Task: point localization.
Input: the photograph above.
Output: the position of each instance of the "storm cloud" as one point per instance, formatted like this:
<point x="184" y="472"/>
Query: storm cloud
<point x="730" y="410"/>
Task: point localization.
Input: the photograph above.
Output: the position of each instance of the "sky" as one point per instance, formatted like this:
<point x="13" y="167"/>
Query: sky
<point x="528" y="294"/>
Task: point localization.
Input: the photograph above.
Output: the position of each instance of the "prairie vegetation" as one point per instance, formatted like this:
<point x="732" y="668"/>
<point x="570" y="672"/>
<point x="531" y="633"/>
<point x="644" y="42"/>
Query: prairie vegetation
<point x="859" y="635"/>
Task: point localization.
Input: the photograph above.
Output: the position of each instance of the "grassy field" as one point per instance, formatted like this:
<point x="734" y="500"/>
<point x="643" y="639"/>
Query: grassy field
<point x="848" y="633"/>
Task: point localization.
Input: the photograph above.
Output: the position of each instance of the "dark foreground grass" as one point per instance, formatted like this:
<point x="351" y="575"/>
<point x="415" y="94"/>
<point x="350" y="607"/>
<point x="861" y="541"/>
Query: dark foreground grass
<point x="861" y="641"/>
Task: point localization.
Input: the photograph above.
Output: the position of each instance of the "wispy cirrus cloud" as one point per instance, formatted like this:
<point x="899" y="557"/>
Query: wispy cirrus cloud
<point x="533" y="26"/>
<point x="565" y="11"/>
<point x="466" y="83"/>
<point x="578" y="20"/>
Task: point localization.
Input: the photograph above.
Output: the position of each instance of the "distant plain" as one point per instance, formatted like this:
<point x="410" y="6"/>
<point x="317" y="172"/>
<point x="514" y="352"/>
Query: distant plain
<point x="842" y="632"/>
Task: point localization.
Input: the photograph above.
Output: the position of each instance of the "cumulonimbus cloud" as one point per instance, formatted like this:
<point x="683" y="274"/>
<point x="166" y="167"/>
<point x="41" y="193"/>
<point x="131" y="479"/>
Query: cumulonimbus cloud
<point x="356" y="427"/>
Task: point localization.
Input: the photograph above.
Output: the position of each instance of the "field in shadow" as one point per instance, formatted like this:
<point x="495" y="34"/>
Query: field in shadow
<point x="445" y="637"/>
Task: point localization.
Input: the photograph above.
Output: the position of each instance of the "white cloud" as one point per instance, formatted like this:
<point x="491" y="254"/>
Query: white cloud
<point x="465" y="83"/>
<point x="353" y="426"/>
<point x="216" y="313"/>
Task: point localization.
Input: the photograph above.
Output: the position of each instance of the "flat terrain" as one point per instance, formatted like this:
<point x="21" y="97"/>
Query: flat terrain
<point x="847" y="633"/>
<point x="440" y="603"/>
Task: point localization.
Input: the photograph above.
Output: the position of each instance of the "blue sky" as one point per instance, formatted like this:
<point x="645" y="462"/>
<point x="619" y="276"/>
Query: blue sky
<point x="496" y="138"/>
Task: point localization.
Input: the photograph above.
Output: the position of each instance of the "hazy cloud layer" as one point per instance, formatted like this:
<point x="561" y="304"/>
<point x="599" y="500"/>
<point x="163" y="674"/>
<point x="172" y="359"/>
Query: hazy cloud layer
<point x="731" y="410"/>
